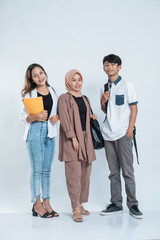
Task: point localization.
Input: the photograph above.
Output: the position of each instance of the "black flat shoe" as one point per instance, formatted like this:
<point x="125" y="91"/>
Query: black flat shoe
<point x="45" y="215"/>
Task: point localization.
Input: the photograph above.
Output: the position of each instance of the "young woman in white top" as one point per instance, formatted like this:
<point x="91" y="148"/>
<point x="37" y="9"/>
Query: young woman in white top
<point x="40" y="138"/>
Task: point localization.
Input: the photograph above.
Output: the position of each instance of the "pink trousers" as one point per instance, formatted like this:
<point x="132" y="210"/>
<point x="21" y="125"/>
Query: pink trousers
<point x="78" y="180"/>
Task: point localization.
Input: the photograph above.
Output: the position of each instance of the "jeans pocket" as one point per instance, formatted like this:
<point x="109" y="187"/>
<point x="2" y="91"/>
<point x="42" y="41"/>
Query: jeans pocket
<point x="119" y="100"/>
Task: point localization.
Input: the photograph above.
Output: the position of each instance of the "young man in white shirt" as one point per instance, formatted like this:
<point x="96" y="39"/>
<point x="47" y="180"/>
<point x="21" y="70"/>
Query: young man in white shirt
<point x="119" y="103"/>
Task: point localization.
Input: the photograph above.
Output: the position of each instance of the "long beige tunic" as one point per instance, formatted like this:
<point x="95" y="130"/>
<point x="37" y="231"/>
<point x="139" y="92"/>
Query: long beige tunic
<point x="70" y="126"/>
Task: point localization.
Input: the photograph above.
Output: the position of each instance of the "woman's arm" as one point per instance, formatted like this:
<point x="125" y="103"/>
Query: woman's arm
<point x="66" y="123"/>
<point x="65" y="118"/>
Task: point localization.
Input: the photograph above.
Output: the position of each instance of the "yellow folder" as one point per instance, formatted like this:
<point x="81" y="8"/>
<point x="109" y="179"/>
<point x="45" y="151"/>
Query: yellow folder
<point x="34" y="105"/>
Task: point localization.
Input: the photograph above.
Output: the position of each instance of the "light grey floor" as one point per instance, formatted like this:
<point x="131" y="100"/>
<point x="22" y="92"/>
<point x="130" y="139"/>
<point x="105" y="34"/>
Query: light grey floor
<point x="22" y="226"/>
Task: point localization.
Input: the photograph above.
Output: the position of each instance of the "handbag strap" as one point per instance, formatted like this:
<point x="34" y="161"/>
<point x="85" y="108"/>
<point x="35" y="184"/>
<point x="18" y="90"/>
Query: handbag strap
<point x="88" y="103"/>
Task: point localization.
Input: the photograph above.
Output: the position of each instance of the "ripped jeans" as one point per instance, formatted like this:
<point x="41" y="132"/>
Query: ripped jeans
<point x="41" y="151"/>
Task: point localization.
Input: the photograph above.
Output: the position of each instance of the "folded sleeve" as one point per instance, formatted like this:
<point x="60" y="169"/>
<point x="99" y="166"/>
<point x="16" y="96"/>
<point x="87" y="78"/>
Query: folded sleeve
<point x="64" y="117"/>
<point x="131" y="94"/>
<point x="23" y="114"/>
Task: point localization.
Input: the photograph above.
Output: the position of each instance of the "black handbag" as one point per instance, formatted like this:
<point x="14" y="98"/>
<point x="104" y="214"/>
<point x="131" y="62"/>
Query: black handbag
<point x="97" y="138"/>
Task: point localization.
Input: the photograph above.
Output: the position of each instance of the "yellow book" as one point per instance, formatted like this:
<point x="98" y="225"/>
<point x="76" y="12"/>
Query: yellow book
<point x="34" y="105"/>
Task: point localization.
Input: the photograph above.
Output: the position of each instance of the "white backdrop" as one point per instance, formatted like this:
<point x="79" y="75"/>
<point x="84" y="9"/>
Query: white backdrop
<point x="62" y="35"/>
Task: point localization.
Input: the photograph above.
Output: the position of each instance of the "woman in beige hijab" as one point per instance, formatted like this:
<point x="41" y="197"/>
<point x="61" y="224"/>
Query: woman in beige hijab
<point x="75" y="142"/>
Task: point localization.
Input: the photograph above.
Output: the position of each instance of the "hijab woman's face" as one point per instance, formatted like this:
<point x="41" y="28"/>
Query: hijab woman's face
<point x="76" y="82"/>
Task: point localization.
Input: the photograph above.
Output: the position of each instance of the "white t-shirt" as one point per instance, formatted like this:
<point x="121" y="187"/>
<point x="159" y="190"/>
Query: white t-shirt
<point x="122" y="94"/>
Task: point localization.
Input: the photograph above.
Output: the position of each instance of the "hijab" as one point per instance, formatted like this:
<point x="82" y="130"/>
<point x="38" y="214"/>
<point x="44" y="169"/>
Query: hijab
<point x="68" y="77"/>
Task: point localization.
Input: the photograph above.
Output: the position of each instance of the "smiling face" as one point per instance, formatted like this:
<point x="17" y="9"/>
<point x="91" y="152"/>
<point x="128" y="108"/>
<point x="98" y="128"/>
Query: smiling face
<point x="39" y="76"/>
<point x="76" y="82"/>
<point x="111" y="69"/>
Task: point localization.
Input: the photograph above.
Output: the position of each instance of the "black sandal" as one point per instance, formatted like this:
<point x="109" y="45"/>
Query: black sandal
<point x="45" y="215"/>
<point x="53" y="214"/>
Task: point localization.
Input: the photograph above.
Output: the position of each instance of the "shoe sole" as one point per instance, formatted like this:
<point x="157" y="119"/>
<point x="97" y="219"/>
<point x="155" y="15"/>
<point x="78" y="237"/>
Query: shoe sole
<point x="110" y="213"/>
<point x="136" y="216"/>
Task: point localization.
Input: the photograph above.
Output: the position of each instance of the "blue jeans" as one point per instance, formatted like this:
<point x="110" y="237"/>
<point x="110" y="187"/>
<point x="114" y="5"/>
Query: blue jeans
<point x="41" y="151"/>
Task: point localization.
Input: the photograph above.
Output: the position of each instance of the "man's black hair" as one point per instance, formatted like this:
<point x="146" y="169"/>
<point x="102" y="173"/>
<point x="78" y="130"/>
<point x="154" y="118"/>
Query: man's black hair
<point x="111" y="58"/>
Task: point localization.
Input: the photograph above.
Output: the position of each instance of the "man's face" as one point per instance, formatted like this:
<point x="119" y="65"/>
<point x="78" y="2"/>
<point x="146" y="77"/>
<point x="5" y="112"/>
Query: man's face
<point x="111" y="69"/>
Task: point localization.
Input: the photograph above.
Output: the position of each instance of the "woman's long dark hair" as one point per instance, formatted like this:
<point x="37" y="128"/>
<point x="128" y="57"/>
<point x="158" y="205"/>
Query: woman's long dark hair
<point x="29" y="84"/>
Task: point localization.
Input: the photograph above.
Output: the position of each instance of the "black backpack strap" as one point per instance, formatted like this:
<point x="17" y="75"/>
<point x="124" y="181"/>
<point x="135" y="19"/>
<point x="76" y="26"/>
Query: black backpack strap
<point x="105" y="90"/>
<point x="135" y="143"/>
<point x="106" y="87"/>
<point x="88" y="103"/>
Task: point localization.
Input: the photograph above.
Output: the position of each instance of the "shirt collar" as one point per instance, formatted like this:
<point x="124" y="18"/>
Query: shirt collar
<point x="117" y="80"/>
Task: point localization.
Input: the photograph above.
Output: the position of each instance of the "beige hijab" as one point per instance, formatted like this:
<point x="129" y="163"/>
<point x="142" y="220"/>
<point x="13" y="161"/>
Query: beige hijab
<point x="68" y="78"/>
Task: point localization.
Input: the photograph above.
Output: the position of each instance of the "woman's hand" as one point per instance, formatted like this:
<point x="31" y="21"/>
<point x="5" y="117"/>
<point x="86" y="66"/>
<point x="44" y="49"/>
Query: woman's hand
<point x="54" y="118"/>
<point x="37" y="117"/>
<point x="75" y="144"/>
<point x="43" y="115"/>
<point x="94" y="116"/>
